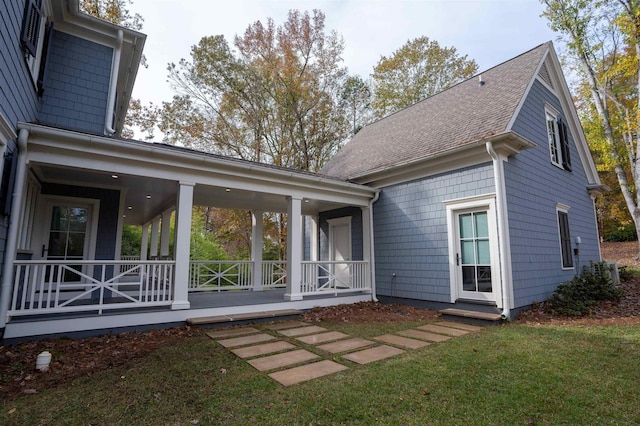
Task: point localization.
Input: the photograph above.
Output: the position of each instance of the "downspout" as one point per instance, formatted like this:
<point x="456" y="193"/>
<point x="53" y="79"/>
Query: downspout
<point x="11" y="244"/>
<point x="501" y="206"/>
<point x="115" y="65"/>
<point x="372" y="260"/>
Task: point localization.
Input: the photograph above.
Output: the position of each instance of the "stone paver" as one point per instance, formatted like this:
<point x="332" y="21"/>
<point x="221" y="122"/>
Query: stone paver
<point x="443" y="330"/>
<point x="405" y="342"/>
<point x="374" y="354"/>
<point x="306" y="372"/>
<point x="292" y="332"/>
<point x="423" y="335"/>
<point x="245" y="340"/>
<point x="459" y="325"/>
<point x="314" y="339"/>
<point x="266" y="348"/>
<point x="232" y="332"/>
<point x="282" y="360"/>
<point x="346" y="345"/>
<point x="285" y="325"/>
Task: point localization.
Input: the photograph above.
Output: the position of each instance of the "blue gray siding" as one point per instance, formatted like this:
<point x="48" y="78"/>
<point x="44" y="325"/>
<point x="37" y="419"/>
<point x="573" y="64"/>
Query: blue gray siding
<point x="410" y="232"/>
<point x="108" y="216"/>
<point x="76" y="84"/>
<point x="18" y="98"/>
<point x="534" y="186"/>
<point x="356" y="231"/>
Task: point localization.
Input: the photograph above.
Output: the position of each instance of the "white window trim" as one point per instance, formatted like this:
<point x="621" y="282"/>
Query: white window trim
<point x="564" y="209"/>
<point x="456" y="206"/>
<point x="43" y="221"/>
<point x="552" y="113"/>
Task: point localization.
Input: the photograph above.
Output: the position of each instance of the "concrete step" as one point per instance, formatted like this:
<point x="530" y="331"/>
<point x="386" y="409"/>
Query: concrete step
<point x="246" y="317"/>
<point x="470" y="317"/>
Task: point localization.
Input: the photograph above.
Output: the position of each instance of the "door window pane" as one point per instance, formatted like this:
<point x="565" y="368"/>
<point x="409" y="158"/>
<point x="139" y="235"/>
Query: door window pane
<point x="482" y="225"/>
<point x="484" y="256"/>
<point x="466" y="226"/>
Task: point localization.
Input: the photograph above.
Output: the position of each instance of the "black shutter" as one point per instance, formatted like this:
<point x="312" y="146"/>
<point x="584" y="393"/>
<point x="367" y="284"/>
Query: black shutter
<point x="564" y="143"/>
<point x="48" y="37"/>
<point x="31" y="26"/>
<point x="7" y="182"/>
<point x="565" y="240"/>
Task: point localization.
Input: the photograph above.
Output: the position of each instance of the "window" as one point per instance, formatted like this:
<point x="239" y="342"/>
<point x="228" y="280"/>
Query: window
<point x="558" y="135"/>
<point x="32" y="38"/>
<point x="565" y="237"/>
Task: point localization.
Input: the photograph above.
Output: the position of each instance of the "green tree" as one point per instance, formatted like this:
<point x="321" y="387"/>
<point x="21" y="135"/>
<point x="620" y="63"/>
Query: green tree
<point x="602" y="38"/>
<point x="419" y="69"/>
<point x="355" y="98"/>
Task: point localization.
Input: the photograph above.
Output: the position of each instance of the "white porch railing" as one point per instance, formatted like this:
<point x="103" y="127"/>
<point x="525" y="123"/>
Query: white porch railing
<point x="274" y="273"/>
<point x="220" y="275"/>
<point x="334" y="277"/>
<point x="46" y="286"/>
<point x="132" y="262"/>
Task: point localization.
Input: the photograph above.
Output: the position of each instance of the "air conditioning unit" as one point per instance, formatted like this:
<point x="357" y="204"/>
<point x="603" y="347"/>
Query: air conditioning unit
<point x="611" y="269"/>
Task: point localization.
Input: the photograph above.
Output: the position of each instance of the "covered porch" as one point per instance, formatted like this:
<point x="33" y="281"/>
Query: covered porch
<point x="75" y="192"/>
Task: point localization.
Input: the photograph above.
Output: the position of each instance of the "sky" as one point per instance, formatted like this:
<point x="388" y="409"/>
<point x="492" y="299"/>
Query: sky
<point x="489" y="31"/>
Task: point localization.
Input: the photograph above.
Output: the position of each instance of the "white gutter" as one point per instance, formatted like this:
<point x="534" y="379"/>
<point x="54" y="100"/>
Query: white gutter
<point x="503" y="230"/>
<point x="372" y="251"/>
<point x="115" y="65"/>
<point x="11" y="245"/>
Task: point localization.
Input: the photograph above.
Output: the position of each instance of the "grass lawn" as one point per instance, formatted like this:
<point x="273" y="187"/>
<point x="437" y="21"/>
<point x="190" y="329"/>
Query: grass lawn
<point x="509" y="375"/>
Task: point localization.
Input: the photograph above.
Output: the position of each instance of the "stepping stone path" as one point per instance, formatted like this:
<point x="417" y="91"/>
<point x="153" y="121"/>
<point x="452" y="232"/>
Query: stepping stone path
<point x="273" y="348"/>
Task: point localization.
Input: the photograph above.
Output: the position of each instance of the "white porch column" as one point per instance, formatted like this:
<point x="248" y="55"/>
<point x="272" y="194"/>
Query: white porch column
<point x="155" y="233"/>
<point x="294" y="254"/>
<point x="165" y="234"/>
<point x="313" y="238"/>
<point x="367" y="246"/>
<point x="144" y="244"/>
<point x="182" y="246"/>
<point x="257" y="228"/>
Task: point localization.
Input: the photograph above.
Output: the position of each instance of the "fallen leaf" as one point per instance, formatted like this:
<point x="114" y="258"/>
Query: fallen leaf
<point x="223" y="371"/>
<point x="29" y="391"/>
<point x="13" y="410"/>
<point x="328" y="410"/>
<point x="427" y="393"/>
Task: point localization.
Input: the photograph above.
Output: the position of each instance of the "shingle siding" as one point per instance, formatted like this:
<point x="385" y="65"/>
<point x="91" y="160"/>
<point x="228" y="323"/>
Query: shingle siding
<point x="18" y="98"/>
<point x="534" y="187"/>
<point x="76" y="84"/>
<point x="410" y="232"/>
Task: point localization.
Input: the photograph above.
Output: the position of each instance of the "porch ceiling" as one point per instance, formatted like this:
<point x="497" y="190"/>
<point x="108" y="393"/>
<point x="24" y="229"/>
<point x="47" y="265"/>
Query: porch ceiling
<point x="147" y="197"/>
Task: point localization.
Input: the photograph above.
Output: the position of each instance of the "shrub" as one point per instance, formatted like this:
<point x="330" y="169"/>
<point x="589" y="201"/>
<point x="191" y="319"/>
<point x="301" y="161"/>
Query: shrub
<point x="578" y="296"/>
<point x="622" y="233"/>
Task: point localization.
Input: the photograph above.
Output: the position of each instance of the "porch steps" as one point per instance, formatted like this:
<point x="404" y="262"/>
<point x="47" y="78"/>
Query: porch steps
<point x="246" y="317"/>
<point x="471" y="317"/>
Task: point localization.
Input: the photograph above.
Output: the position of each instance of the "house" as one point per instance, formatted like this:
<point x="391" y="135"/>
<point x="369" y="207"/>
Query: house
<point x="486" y="190"/>
<point x="480" y="195"/>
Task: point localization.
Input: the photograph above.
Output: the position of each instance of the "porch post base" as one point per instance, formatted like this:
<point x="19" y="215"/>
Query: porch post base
<point x="180" y="304"/>
<point x="258" y="288"/>
<point x="292" y="296"/>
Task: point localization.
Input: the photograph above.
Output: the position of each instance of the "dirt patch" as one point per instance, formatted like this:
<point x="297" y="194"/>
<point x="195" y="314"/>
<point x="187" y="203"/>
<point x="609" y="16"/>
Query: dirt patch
<point x="72" y="358"/>
<point x="369" y="312"/>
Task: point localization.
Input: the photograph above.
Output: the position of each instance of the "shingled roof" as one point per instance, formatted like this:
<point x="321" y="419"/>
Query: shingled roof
<point x="460" y="115"/>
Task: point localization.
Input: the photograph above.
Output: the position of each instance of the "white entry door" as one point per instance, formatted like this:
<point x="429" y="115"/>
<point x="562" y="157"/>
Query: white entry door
<point x="473" y="250"/>
<point x="68" y="232"/>
<point x="340" y="250"/>
<point x="474" y="256"/>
